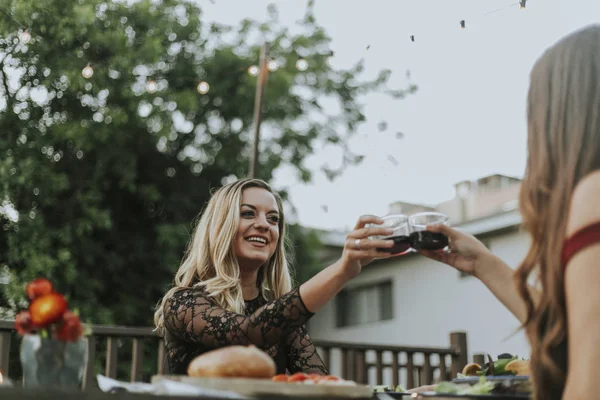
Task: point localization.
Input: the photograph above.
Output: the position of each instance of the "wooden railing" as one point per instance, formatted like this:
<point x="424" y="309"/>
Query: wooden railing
<point x="364" y="363"/>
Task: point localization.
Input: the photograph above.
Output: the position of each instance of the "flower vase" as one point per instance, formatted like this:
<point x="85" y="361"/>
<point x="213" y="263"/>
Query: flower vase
<point x="51" y="362"/>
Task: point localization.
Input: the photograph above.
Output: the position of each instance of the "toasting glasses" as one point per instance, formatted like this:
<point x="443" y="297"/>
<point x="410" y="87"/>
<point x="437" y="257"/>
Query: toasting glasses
<point x="410" y="234"/>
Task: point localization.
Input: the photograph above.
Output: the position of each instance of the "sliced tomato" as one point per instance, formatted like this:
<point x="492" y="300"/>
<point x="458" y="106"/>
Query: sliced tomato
<point x="315" y="377"/>
<point x="298" y="377"/>
<point x="280" y="378"/>
<point x="330" y="378"/>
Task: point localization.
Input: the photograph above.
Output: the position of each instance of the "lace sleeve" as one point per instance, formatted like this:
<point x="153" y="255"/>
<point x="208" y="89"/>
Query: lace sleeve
<point x="193" y="317"/>
<point x="302" y="354"/>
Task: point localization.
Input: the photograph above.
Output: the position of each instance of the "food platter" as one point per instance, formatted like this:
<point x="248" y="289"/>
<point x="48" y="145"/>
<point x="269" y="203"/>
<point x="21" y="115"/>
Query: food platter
<point x="496" y="378"/>
<point x="265" y="387"/>
<point x="439" y="396"/>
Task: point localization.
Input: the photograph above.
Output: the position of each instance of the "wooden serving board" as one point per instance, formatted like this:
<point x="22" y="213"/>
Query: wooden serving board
<point x="266" y="387"/>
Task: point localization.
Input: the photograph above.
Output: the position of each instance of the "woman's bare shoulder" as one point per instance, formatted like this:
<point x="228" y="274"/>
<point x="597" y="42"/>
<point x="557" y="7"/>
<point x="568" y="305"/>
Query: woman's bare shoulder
<point x="585" y="202"/>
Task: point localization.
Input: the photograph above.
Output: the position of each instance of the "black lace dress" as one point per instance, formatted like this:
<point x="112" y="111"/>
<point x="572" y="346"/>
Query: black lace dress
<point x="195" y="324"/>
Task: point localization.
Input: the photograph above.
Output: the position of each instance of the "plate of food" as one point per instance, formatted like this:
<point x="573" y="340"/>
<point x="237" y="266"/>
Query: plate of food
<point x="505" y="378"/>
<point x="248" y="371"/>
<point x="441" y="396"/>
<point x="508" y="373"/>
<point x="484" y="388"/>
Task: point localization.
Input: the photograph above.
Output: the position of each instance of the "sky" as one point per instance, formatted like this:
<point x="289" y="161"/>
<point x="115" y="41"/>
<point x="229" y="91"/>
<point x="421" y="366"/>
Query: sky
<point x="467" y="119"/>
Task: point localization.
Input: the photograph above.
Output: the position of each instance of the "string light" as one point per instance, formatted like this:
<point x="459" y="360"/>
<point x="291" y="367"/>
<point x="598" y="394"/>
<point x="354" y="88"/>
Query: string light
<point x="151" y="86"/>
<point x="87" y="72"/>
<point x="523" y="3"/>
<point x="462" y="24"/>
<point x="203" y="87"/>
<point x="254" y="70"/>
<point x="330" y="58"/>
<point x="25" y="37"/>
<point x="302" y="64"/>
<point x="272" y="65"/>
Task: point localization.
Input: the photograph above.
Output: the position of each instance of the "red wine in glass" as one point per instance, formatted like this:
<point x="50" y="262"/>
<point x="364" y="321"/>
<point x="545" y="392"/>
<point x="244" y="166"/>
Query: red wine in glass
<point x="425" y="240"/>
<point x="401" y="245"/>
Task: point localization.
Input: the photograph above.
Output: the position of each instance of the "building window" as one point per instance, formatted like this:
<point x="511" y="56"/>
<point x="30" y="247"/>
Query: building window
<point x="365" y="304"/>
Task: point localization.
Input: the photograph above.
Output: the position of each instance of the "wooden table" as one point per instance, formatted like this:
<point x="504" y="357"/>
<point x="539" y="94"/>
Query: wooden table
<point x="63" y="394"/>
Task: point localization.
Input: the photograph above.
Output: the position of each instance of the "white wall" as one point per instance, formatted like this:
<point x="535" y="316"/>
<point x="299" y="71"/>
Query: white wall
<point x="430" y="301"/>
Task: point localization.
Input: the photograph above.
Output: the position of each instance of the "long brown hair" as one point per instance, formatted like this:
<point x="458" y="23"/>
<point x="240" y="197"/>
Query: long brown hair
<point x="563" y="114"/>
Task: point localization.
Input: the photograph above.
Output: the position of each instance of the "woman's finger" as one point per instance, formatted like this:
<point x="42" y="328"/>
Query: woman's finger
<point x="367" y="244"/>
<point x="443" y="229"/>
<point x="371" y="231"/>
<point x="364" y="254"/>
<point x="367" y="219"/>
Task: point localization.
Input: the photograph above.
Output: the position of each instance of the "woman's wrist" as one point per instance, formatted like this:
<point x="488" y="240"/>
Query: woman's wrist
<point x="486" y="266"/>
<point x="344" y="270"/>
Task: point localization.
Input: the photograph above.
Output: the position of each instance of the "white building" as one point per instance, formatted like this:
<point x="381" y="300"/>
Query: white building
<point x="413" y="301"/>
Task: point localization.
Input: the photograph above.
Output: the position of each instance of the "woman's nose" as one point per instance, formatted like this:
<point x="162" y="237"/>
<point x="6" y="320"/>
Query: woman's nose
<point x="261" y="222"/>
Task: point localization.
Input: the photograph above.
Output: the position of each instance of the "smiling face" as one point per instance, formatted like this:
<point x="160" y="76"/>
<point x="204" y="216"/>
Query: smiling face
<point x="258" y="230"/>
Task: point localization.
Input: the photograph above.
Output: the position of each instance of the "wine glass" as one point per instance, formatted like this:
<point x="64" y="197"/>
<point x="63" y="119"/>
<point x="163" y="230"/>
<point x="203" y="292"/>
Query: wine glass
<point x="400" y="231"/>
<point x="420" y="238"/>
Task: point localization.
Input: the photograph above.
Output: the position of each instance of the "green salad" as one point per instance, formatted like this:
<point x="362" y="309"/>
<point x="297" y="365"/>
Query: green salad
<point x="481" y="387"/>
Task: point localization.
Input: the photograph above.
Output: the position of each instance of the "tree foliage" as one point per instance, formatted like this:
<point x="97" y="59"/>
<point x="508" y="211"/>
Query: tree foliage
<point x="107" y="172"/>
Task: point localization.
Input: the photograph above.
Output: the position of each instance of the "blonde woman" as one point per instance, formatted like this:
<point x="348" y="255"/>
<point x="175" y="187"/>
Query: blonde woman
<point x="234" y="287"/>
<point x="559" y="205"/>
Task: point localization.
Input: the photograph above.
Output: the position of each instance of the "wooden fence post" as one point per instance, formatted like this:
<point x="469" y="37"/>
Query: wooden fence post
<point x="458" y="341"/>
<point x="479" y="359"/>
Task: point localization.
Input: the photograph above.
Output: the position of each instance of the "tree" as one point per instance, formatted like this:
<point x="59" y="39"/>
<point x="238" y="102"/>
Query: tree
<point x="111" y="142"/>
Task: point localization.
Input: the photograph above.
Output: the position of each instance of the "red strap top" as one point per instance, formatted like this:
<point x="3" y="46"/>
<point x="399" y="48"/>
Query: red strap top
<point x="581" y="239"/>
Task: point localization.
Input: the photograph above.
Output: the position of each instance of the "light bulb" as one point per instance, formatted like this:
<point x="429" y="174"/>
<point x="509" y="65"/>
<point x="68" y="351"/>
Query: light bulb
<point x="203" y="87"/>
<point x="272" y="65"/>
<point x="301" y="64"/>
<point x="151" y="86"/>
<point x="87" y="72"/>
<point x="254" y="70"/>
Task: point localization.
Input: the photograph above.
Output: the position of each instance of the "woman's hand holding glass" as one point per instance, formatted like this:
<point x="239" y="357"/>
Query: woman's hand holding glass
<point x="359" y="249"/>
<point x="465" y="252"/>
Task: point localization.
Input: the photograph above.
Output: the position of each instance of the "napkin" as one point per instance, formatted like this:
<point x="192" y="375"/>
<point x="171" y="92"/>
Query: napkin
<point x="162" y="388"/>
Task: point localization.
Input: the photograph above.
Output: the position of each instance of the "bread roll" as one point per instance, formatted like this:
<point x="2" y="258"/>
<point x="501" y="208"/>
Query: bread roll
<point x="233" y="362"/>
<point x="471" y="369"/>
<point x="519" y="367"/>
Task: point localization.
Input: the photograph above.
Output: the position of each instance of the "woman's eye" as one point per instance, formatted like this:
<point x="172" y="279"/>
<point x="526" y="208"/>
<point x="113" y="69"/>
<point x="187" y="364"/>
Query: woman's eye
<point x="247" y="214"/>
<point x="274" y="218"/>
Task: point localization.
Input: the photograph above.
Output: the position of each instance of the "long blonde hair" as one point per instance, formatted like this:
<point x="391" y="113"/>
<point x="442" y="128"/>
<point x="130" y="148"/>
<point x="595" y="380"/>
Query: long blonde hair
<point x="210" y="261"/>
<point x="563" y="147"/>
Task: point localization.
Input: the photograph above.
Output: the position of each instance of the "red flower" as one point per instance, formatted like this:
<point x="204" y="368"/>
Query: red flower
<point x="23" y="323"/>
<point x="71" y="329"/>
<point x="38" y="287"/>
<point x="47" y="309"/>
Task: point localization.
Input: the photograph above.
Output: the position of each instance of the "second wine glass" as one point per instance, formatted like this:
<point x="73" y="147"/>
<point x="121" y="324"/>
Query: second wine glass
<point x="420" y="238"/>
